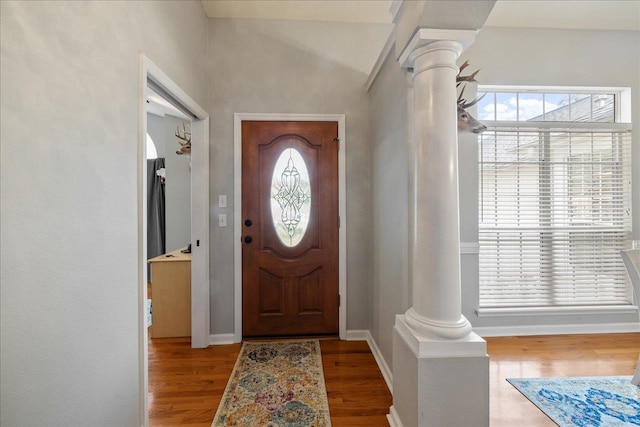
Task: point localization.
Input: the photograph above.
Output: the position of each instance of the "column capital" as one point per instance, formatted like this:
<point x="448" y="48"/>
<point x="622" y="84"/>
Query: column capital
<point x="425" y="38"/>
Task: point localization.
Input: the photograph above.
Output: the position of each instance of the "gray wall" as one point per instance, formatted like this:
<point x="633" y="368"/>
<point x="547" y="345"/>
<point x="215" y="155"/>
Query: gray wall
<point x="177" y="189"/>
<point x="390" y="199"/>
<point x="253" y="71"/>
<point x="69" y="73"/>
<point x="505" y="56"/>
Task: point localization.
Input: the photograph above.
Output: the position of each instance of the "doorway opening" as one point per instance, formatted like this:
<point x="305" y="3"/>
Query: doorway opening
<point x="152" y="77"/>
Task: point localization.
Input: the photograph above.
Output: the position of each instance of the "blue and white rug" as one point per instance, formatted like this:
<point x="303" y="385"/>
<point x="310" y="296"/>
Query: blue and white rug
<point x="584" y="401"/>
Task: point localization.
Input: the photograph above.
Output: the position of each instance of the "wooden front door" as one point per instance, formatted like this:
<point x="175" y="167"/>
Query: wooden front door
<point x="289" y="228"/>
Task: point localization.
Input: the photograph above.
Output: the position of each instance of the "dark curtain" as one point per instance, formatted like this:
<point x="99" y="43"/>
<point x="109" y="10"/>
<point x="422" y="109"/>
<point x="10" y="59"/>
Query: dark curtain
<point x="156" y="237"/>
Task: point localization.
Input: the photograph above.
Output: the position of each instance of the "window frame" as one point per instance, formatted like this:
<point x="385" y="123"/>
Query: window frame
<point x="622" y="106"/>
<point x="622" y="115"/>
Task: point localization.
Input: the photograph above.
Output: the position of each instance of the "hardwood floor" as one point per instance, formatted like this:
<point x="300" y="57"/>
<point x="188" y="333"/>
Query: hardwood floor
<point x="186" y="385"/>
<point x="551" y="356"/>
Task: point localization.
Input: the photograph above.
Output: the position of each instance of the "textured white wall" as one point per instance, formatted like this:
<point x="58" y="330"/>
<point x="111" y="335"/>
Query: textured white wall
<point x="69" y="74"/>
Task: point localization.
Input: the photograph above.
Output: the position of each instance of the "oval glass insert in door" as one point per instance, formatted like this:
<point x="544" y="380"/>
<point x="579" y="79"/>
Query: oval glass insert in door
<point x="290" y="197"/>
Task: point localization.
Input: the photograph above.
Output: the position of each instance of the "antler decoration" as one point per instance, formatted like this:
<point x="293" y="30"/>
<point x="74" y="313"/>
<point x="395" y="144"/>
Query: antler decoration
<point x="184" y="136"/>
<point x="185" y="148"/>
<point x="460" y="79"/>
<point x="466" y="122"/>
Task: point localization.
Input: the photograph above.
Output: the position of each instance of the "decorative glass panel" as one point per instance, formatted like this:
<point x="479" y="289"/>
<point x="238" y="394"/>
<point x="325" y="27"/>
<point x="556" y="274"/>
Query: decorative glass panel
<point x="290" y="197"/>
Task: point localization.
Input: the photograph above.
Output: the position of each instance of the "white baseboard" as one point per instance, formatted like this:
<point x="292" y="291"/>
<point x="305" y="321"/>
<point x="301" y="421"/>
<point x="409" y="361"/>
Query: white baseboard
<point x="393" y="418"/>
<point x="221" y="339"/>
<point x="365" y="335"/>
<point x="601" y="328"/>
<point x="358" y="335"/>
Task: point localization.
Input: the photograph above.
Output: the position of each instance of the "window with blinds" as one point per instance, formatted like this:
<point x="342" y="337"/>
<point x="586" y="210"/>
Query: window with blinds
<point x="554" y="210"/>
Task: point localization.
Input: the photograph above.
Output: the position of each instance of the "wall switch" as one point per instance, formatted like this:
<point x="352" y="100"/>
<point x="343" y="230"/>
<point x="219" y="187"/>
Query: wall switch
<point x="222" y="220"/>
<point x="222" y="201"/>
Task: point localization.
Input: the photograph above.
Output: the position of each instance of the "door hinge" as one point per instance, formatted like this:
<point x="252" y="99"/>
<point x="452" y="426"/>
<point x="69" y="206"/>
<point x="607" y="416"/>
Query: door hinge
<point x="338" y="221"/>
<point x="338" y="300"/>
<point x="337" y="140"/>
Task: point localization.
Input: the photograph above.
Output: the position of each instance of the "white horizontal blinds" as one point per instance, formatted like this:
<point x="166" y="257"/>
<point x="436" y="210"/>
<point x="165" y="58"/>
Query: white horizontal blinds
<point x="554" y="214"/>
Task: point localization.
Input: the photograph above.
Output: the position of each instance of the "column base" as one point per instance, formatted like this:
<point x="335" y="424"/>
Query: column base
<point x="429" y="328"/>
<point x="438" y="382"/>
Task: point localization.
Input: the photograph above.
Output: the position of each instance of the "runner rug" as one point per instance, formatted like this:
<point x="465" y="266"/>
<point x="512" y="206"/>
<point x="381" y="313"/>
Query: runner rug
<point x="276" y="384"/>
<point x="584" y="401"/>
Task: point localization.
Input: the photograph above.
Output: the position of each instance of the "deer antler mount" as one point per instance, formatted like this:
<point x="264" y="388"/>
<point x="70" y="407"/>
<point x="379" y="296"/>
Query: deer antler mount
<point x="466" y="122"/>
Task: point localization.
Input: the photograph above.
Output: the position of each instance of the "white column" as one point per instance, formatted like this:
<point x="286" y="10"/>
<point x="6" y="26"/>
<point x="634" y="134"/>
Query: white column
<point x="440" y="367"/>
<point x="435" y="235"/>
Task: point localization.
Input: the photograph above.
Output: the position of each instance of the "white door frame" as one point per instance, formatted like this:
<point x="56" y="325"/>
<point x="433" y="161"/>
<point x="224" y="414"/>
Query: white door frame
<point x="238" y="118"/>
<point x="200" y="305"/>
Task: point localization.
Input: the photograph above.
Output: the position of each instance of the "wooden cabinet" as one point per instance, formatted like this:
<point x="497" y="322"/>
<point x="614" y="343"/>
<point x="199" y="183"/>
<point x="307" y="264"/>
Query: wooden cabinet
<point x="171" y="295"/>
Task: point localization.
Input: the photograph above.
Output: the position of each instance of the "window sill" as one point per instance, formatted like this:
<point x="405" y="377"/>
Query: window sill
<point x="556" y="311"/>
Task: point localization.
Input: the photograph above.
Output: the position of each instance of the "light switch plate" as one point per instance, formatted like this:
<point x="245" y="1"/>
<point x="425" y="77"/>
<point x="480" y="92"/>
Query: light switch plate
<point x="222" y="201"/>
<point x="222" y="220"/>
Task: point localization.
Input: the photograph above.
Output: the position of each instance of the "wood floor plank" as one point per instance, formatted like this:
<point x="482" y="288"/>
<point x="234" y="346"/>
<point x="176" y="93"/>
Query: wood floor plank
<point x="186" y="385"/>
<point x="551" y="356"/>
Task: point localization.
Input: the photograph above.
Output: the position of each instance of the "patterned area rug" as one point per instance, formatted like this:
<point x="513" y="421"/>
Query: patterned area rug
<point x="584" y="401"/>
<point x="276" y="384"/>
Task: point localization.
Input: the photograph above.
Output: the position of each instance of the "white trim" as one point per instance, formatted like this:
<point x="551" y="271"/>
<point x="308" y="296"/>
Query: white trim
<point x="386" y="371"/>
<point x="508" y="125"/>
<point x="622" y="105"/>
<point x="143" y="336"/>
<point x="221" y="339"/>
<point x="155" y="74"/>
<point x="523" y="330"/>
<point x="365" y="335"/>
<point x="358" y="335"/>
<point x="395" y="7"/>
<point x="386" y="50"/>
<point x="237" y="226"/>
<point x="425" y="36"/>
<point x="200" y="257"/>
<point x="200" y="174"/>
<point x="394" y="418"/>
<point x="237" y="207"/>
<point x="469" y="248"/>
<point x="552" y="89"/>
<point x="556" y="311"/>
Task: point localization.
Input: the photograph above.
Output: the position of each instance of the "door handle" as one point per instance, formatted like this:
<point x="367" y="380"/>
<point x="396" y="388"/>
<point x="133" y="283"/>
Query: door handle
<point x="248" y="222"/>
<point x="248" y="239"/>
